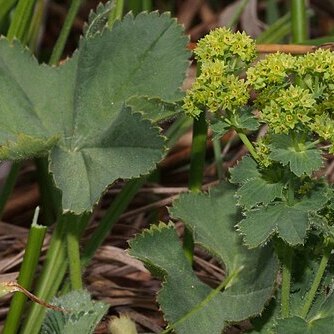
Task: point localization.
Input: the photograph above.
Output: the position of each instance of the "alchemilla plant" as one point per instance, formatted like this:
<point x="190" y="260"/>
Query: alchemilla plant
<point x="271" y="224"/>
<point x="94" y="120"/>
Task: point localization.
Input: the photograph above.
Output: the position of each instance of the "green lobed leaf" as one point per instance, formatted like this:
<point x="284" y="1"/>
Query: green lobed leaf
<point x="220" y="128"/>
<point x="245" y="120"/>
<point x="320" y="318"/>
<point x="297" y="325"/>
<point x="154" y="109"/>
<point x="82" y="315"/>
<point x="245" y="170"/>
<point x="289" y="222"/>
<point x="189" y="305"/>
<point x="301" y="157"/>
<point x="82" y="102"/>
<point x="256" y="187"/>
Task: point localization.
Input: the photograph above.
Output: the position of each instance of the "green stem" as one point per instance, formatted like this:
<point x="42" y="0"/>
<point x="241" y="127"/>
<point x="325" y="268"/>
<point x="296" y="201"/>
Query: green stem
<point x="218" y="157"/>
<point x="317" y="280"/>
<point x="299" y="24"/>
<point x="135" y="6"/>
<point x="21" y="20"/>
<point x="61" y="41"/>
<point x="272" y="12"/>
<point x="198" y="151"/>
<point x="9" y="185"/>
<point x="36" y="22"/>
<point x="147" y="5"/>
<point x="50" y="198"/>
<point x="286" y="259"/>
<point x="277" y="31"/>
<point x="73" y="250"/>
<point x="197" y="161"/>
<point x="5" y="7"/>
<point x="248" y="144"/>
<point x="116" y="13"/>
<point x="53" y="272"/>
<point x="26" y="275"/>
<point x="286" y="280"/>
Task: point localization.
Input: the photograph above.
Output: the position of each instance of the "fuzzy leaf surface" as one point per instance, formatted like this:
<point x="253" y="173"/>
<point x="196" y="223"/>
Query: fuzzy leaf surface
<point x="255" y="188"/>
<point x="289" y="222"/>
<point x="245" y="120"/>
<point x="189" y="305"/>
<point x="83" y="317"/>
<point x="304" y="160"/>
<point x="242" y="120"/>
<point x="154" y="109"/>
<point x="297" y="325"/>
<point x="83" y="104"/>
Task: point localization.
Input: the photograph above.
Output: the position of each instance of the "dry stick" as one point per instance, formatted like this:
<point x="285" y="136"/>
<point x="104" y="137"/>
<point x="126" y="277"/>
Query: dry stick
<point x="17" y="287"/>
<point x="292" y="48"/>
<point x="295" y="49"/>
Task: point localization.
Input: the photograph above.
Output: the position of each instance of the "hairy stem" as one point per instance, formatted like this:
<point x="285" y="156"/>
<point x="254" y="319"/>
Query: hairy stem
<point x="248" y="144"/>
<point x="286" y="280"/>
<point x="317" y="280"/>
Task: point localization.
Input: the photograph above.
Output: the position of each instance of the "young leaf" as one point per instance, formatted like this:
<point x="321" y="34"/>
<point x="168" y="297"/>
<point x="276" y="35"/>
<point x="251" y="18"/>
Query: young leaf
<point x="189" y="305"/>
<point x="302" y="158"/>
<point x="256" y="188"/>
<point x="83" y="104"/>
<point x="81" y="316"/>
<point x="289" y="222"/>
<point x="97" y="21"/>
<point x="245" y="120"/>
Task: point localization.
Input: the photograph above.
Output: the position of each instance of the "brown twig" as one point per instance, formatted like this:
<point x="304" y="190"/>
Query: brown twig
<point x="17" y="287"/>
<point x="285" y="48"/>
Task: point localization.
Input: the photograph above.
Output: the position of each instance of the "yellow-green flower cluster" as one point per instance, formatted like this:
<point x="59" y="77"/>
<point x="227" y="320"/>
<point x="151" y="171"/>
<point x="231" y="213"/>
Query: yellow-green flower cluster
<point x="224" y="45"/>
<point x="262" y="150"/>
<point x="221" y="55"/>
<point x="296" y="93"/>
<point x="291" y="108"/>
<point x="323" y="126"/>
<point x="273" y="70"/>
<point x="319" y="62"/>
<point x="215" y="90"/>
